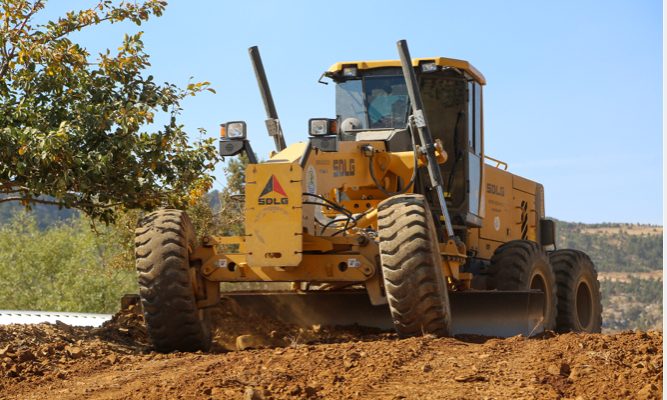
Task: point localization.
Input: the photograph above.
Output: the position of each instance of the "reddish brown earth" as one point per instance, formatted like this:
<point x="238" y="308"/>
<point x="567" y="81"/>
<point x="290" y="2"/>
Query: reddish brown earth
<point x="115" y="362"/>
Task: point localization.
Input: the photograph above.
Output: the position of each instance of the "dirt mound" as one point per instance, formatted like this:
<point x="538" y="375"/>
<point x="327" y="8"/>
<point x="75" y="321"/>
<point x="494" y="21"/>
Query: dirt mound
<point x="238" y="329"/>
<point x="30" y="351"/>
<point x="49" y="350"/>
<point x="125" y="327"/>
<point x="115" y="361"/>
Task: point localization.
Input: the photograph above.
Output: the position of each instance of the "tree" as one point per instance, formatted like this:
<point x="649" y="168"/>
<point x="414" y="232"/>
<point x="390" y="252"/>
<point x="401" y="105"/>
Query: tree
<point x="232" y="207"/>
<point x="222" y="213"/>
<point x="75" y="133"/>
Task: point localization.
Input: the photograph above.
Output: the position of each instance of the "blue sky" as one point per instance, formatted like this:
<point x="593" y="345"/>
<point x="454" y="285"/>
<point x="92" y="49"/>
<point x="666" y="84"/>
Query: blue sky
<point x="573" y="97"/>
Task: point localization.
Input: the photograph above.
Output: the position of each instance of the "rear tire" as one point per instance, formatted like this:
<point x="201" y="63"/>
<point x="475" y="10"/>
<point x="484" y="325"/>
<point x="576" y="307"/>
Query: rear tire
<point x="412" y="268"/>
<point x="523" y="265"/>
<point x="579" y="305"/>
<point x="163" y="242"/>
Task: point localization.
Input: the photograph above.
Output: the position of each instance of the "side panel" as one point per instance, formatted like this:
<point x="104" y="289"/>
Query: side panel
<point x="511" y="211"/>
<point x="497" y="223"/>
<point x="523" y="184"/>
<point x="273" y="215"/>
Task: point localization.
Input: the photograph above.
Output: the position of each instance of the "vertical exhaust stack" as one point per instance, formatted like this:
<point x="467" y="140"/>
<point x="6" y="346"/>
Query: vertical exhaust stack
<point x="272" y="121"/>
<point x="419" y="120"/>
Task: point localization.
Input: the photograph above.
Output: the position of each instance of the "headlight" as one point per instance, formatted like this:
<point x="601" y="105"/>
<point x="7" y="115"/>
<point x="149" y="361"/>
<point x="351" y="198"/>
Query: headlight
<point x="321" y="126"/>
<point x="350" y="72"/>
<point x="235" y="130"/>
<point x="429" y="67"/>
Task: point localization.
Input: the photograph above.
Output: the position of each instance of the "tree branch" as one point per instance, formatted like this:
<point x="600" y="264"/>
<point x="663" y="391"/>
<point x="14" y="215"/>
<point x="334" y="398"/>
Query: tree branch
<point x="77" y="205"/>
<point x="10" y="54"/>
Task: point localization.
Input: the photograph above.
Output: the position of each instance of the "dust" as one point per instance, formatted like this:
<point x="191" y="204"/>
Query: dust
<point x="235" y="328"/>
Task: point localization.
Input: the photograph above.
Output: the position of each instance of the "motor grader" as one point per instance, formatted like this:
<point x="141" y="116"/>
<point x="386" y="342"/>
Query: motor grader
<point x="390" y="215"/>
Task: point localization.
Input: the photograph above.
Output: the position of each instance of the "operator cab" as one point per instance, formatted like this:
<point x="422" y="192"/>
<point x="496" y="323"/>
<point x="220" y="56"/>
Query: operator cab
<point x="376" y="101"/>
<point x="372" y="102"/>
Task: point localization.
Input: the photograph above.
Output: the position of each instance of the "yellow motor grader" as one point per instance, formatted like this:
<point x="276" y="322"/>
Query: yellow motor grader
<point x="390" y="215"/>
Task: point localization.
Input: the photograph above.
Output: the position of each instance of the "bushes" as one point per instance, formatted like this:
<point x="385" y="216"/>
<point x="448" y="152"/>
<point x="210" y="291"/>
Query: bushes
<point x="64" y="267"/>
<point x="52" y="260"/>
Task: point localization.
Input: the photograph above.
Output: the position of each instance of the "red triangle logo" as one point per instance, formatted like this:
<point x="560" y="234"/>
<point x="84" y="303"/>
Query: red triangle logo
<point x="273" y="186"/>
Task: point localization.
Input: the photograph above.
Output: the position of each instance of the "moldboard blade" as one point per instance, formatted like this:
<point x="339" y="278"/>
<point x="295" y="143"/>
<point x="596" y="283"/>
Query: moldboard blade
<point x="327" y="308"/>
<point x="487" y="313"/>
<point x="497" y="313"/>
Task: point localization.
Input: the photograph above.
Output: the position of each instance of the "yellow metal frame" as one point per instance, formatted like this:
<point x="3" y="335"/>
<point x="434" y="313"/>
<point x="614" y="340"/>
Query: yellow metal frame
<point x="288" y="227"/>
<point x="326" y="259"/>
<point x="352" y="260"/>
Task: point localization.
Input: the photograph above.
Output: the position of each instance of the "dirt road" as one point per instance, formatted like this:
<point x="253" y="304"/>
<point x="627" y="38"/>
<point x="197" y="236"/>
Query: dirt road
<point x="115" y="362"/>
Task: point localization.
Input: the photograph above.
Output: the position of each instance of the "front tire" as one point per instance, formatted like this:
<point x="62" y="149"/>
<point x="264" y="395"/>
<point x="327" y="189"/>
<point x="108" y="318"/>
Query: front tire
<point x="523" y="265"/>
<point x="412" y="268"/>
<point x="579" y="305"/>
<point x="163" y="242"/>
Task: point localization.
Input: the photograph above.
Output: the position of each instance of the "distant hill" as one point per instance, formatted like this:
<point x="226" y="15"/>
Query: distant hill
<point x="615" y="247"/>
<point x="45" y="215"/>
<point x="628" y="258"/>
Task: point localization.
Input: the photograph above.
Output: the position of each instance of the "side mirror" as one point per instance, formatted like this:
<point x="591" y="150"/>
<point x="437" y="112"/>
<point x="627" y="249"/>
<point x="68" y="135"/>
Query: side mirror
<point x="231" y="147"/>
<point x="232" y="138"/>
<point x="547" y="232"/>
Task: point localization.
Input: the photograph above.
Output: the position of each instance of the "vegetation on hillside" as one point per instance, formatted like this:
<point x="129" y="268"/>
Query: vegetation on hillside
<point x="65" y="267"/>
<point x="44" y="215"/>
<point x="636" y="304"/>
<point x="612" y="246"/>
<point x="58" y="260"/>
<point x="628" y="248"/>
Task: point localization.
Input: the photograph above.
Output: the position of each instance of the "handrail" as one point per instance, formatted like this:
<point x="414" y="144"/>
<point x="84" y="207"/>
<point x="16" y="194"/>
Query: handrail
<point x="498" y="162"/>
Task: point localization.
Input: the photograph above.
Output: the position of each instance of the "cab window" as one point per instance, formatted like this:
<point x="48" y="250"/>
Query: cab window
<point x="475" y="117"/>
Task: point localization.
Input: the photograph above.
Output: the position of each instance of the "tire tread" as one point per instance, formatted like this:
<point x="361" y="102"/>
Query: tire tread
<point x="414" y="283"/>
<point x="162" y="241"/>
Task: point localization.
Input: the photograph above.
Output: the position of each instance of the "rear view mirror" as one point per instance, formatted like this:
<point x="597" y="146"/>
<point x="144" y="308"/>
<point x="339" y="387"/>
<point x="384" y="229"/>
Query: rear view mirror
<point x="547" y="232"/>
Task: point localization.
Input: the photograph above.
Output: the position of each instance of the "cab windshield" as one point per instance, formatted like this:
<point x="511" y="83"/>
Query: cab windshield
<point x="376" y="101"/>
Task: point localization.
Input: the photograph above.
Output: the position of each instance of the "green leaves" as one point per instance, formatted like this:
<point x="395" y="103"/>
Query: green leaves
<point x="77" y="130"/>
<point x="65" y="267"/>
<point x="195" y="88"/>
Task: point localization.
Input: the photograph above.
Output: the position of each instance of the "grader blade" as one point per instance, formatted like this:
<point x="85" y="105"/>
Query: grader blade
<point x="497" y="313"/>
<point x="305" y="309"/>
<point x="487" y="313"/>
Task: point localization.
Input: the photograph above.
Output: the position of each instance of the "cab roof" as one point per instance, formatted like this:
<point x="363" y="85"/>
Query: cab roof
<point x="337" y="68"/>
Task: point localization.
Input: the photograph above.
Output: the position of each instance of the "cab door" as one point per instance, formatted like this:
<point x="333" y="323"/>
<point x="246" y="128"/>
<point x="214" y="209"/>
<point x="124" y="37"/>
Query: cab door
<point x="475" y="154"/>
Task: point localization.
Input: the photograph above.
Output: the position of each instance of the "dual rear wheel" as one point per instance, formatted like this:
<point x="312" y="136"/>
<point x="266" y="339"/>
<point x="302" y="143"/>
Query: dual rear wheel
<point x="416" y="287"/>
<point x="566" y="277"/>
<point x="579" y="305"/>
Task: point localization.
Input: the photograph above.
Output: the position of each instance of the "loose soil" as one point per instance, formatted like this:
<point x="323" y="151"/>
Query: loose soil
<point x="284" y="362"/>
